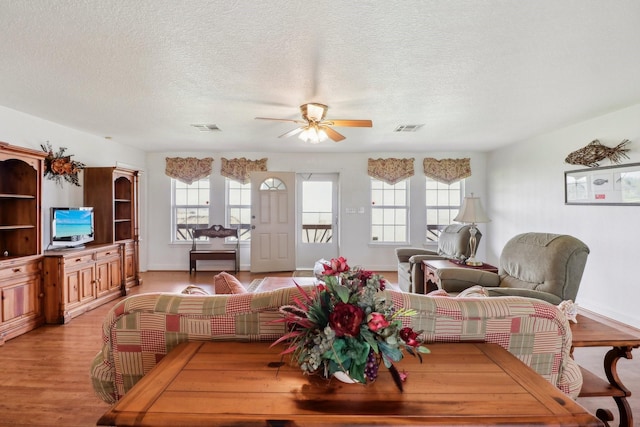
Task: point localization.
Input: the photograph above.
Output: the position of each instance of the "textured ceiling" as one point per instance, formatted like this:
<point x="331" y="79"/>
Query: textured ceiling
<point x="477" y="74"/>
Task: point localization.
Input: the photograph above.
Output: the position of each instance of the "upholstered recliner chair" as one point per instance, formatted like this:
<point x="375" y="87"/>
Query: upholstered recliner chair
<point x="536" y="265"/>
<point x="453" y="243"/>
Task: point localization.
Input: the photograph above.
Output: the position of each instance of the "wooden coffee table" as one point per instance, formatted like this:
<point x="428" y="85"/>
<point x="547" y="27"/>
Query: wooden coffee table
<point x="234" y="383"/>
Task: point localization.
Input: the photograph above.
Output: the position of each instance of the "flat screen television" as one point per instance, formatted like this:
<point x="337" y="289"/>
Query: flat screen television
<point x="71" y="227"/>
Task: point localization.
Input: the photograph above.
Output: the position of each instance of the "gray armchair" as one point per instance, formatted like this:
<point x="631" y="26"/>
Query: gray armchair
<point x="535" y="265"/>
<point x="453" y="243"/>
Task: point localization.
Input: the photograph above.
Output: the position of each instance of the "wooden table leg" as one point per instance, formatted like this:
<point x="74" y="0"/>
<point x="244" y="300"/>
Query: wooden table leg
<point x="610" y="369"/>
<point x="430" y="281"/>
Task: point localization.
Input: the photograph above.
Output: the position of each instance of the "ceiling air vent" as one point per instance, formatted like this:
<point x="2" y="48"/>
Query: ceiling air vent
<point x="408" y="128"/>
<point x="207" y="128"/>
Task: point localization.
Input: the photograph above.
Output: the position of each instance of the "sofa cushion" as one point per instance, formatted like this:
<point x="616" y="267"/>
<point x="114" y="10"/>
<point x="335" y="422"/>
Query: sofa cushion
<point x="225" y="283"/>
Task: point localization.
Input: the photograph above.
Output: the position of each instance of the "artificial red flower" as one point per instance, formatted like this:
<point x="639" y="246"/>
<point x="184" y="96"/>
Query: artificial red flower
<point x="409" y="336"/>
<point x="336" y="266"/>
<point x="377" y="321"/>
<point x="345" y="319"/>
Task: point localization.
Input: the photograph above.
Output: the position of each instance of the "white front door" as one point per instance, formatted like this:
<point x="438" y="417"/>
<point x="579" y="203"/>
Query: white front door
<point x="272" y="221"/>
<point x="317" y="218"/>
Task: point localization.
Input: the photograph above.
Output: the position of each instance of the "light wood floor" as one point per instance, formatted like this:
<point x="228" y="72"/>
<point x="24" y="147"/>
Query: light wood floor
<point x="44" y="374"/>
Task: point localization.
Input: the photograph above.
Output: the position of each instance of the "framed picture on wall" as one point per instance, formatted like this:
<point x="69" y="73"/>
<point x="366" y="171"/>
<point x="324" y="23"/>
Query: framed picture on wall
<point x="607" y="185"/>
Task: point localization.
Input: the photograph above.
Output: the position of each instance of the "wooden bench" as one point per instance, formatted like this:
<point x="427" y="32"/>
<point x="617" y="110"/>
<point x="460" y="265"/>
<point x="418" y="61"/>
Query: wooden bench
<point x="196" y="254"/>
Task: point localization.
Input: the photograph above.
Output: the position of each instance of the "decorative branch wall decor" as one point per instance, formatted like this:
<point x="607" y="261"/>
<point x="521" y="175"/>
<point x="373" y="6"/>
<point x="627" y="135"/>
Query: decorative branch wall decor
<point x="59" y="167"/>
<point x="592" y="153"/>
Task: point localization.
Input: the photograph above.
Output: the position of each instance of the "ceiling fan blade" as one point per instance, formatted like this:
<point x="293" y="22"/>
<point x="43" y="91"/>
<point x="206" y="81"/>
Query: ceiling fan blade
<point x="351" y="123"/>
<point x="292" y="132"/>
<point x="335" y="136"/>
<point x="281" y="120"/>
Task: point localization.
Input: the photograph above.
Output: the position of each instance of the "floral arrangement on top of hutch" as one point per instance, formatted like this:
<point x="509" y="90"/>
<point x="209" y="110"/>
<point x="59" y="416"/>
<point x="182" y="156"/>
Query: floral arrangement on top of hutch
<point x="21" y="293"/>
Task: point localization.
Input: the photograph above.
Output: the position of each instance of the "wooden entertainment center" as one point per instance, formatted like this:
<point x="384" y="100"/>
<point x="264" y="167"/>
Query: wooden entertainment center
<point x="39" y="286"/>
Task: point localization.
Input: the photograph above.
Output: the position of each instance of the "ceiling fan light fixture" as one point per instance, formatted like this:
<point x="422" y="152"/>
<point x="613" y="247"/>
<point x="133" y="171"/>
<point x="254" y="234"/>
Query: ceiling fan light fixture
<point x="313" y="134"/>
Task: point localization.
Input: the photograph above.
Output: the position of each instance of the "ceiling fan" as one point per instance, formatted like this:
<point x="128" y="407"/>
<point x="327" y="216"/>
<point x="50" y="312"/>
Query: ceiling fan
<point x="315" y="128"/>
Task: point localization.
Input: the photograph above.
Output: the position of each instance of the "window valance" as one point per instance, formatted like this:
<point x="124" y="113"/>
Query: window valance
<point x="188" y="169"/>
<point x="390" y="170"/>
<point x="239" y="169"/>
<point x="447" y="171"/>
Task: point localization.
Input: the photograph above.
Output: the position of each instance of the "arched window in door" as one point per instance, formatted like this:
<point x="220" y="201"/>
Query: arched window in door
<point x="273" y="184"/>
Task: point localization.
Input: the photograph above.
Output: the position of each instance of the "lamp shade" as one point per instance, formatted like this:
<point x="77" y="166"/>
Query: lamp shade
<point x="472" y="211"/>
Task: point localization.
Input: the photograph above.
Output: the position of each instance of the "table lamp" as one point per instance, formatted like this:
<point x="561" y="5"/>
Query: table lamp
<point x="472" y="213"/>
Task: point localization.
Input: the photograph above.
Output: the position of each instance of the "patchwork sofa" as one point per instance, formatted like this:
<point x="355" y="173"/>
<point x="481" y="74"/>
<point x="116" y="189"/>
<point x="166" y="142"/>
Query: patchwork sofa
<point x="140" y="330"/>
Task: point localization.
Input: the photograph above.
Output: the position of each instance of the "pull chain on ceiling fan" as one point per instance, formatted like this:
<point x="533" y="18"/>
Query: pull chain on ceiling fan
<point x="315" y="128"/>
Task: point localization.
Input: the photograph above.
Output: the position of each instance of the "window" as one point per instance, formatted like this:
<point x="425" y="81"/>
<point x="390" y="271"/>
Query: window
<point x="443" y="201"/>
<point x="239" y="208"/>
<point x="190" y="208"/>
<point x="389" y="211"/>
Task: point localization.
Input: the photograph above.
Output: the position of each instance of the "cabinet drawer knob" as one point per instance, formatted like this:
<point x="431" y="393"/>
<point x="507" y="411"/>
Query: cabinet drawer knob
<point x="17" y="270"/>
<point x="78" y="259"/>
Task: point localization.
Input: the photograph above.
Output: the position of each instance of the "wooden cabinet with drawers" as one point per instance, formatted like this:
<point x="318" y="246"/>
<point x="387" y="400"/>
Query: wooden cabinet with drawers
<point x="79" y="280"/>
<point x="22" y="296"/>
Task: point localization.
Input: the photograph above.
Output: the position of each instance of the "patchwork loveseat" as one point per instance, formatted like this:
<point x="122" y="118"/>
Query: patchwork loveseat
<point x="140" y="330"/>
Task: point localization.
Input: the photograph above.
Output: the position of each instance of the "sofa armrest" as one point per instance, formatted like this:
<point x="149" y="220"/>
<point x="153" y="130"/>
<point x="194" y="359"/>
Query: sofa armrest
<point x="417" y="259"/>
<point x="459" y="279"/>
<point x="404" y="254"/>
<point x="527" y="293"/>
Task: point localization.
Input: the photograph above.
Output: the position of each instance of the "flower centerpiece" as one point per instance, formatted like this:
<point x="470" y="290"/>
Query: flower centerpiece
<point x="346" y="325"/>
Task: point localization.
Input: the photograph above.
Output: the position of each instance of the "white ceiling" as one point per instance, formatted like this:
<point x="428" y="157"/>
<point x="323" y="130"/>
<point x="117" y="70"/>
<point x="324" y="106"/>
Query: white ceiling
<point x="477" y="74"/>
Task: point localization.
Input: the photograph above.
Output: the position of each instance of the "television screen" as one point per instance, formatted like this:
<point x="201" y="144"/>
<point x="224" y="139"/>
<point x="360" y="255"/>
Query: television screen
<point x="71" y="226"/>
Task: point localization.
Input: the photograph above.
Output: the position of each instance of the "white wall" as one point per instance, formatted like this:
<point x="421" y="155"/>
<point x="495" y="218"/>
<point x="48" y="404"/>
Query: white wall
<point x="353" y="192"/>
<point x="526" y="193"/>
<point x="28" y="131"/>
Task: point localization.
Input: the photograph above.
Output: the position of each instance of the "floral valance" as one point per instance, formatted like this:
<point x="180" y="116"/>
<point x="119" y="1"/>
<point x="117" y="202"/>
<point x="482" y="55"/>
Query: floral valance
<point x="188" y="169"/>
<point x="390" y="171"/>
<point x="239" y="169"/>
<point x="447" y="171"/>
